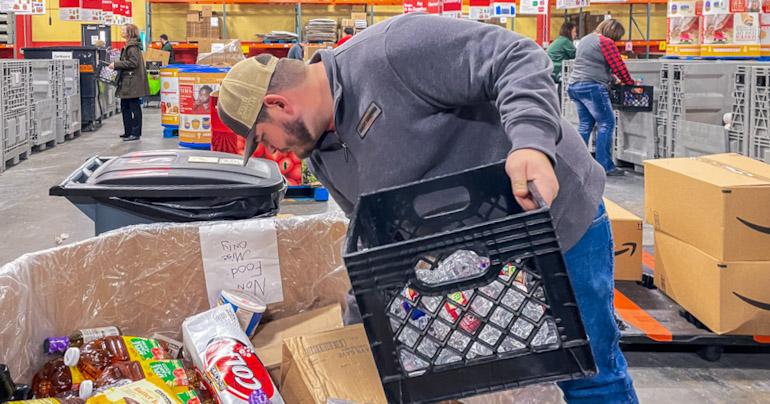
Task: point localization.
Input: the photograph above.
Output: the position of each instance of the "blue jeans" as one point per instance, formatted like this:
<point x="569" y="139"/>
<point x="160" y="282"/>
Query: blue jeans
<point x="594" y="108"/>
<point x="590" y="265"/>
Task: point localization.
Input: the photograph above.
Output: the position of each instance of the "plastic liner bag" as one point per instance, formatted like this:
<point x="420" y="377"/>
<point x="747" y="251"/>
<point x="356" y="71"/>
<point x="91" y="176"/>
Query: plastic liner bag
<point x="228" y="55"/>
<point x="147" y="279"/>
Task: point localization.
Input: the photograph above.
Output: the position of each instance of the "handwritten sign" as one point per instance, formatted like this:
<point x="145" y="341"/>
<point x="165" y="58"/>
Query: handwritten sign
<point x="243" y="256"/>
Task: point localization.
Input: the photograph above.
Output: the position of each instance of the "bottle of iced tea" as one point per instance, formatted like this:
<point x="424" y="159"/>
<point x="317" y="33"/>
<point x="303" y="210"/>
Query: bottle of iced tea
<point x="53" y="345"/>
<point x="55" y="378"/>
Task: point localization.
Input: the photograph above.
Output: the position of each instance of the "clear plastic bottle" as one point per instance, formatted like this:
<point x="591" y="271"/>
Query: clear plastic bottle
<point x="55" y="378"/>
<point x="53" y="345"/>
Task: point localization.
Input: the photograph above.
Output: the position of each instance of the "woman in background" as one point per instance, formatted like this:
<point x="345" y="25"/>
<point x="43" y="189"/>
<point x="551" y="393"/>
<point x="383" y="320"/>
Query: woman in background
<point x="598" y="65"/>
<point x="132" y="83"/>
<point x="562" y="49"/>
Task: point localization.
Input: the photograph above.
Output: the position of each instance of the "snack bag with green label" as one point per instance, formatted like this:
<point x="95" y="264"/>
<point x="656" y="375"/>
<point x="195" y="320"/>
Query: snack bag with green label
<point x="93" y="357"/>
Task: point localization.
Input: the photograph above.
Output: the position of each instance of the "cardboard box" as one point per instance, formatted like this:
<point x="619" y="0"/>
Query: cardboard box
<point x="727" y="35"/>
<point x="156" y="55"/>
<point x="205" y="45"/>
<point x="206" y="11"/>
<point x="627" y="234"/>
<point x="717" y="203"/>
<point x="268" y="341"/>
<point x="193" y="16"/>
<point x="335" y="364"/>
<point x="150" y="278"/>
<point x="729" y="297"/>
<point x="358" y="16"/>
<point x="311" y="49"/>
<point x="207" y="29"/>
<point x="683" y="37"/>
<point x="764" y="32"/>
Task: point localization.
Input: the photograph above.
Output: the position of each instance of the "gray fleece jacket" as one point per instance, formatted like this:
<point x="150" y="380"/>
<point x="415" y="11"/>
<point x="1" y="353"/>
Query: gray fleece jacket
<point x="419" y="96"/>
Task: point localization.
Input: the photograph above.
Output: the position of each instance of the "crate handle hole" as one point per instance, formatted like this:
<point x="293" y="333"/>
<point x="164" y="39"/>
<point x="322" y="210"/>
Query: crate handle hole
<point x="441" y="203"/>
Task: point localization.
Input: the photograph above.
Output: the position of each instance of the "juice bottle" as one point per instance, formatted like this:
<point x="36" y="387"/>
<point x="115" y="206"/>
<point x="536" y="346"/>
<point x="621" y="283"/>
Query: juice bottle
<point x="53" y="345"/>
<point x="54" y="378"/>
<point x="94" y="356"/>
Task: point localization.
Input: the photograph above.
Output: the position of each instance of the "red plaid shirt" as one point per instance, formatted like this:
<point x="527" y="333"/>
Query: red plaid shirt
<point x="611" y="54"/>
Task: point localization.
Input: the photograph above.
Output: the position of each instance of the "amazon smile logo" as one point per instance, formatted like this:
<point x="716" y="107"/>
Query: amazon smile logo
<point x="629" y="247"/>
<point x="754" y="226"/>
<point x="755" y="303"/>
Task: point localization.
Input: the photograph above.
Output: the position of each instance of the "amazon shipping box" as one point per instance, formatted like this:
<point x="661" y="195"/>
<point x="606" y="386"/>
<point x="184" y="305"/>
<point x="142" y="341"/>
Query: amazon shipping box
<point x="717" y="204"/>
<point x="627" y="234"/>
<point x="729" y="297"/>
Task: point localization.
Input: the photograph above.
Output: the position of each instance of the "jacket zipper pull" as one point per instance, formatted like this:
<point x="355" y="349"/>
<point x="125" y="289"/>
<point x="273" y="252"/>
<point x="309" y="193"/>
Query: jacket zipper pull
<point x="346" y="151"/>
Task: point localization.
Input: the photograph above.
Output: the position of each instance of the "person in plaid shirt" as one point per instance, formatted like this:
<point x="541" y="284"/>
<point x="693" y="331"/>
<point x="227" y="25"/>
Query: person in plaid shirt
<point x="598" y="65"/>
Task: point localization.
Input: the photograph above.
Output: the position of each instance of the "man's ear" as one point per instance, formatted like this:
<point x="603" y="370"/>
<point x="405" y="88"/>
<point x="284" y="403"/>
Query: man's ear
<point x="278" y="103"/>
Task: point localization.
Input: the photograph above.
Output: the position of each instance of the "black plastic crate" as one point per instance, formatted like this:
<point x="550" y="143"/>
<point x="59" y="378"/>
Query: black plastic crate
<point x="632" y="98"/>
<point x="508" y="319"/>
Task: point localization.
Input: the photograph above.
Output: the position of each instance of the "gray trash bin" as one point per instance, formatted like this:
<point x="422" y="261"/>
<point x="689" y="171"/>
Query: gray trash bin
<point x="172" y="186"/>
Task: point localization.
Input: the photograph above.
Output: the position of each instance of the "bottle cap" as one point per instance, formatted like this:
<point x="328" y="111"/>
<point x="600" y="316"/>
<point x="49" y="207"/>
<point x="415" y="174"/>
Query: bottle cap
<point x="71" y="356"/>
<point x="86" y="389"/>
<point x="54" y="345"/>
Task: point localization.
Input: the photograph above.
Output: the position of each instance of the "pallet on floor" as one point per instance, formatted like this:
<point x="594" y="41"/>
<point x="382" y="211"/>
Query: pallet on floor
<point x="15" y="156"/>
<point x="43" y="146"/>
<point x="73" y="135"/>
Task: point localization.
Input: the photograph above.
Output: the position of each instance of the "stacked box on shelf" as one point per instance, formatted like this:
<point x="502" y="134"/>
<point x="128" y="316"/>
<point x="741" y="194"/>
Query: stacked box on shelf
<point x="759" y="126"/>
<point x="45" y="128"/>
<point x="15" y="109"/>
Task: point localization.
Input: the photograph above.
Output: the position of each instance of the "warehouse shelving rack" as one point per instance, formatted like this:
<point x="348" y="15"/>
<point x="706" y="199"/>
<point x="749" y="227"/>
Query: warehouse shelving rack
<point x="644" y="41"/>
<point x="368" y="6"/>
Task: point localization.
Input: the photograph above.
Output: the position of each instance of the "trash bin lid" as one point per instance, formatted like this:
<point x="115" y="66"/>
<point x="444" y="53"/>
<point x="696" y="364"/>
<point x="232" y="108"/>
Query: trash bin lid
<point x="172" y="174"/>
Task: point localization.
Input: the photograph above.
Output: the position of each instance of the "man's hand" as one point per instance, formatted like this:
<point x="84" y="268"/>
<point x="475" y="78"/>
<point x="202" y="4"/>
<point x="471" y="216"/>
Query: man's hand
<point x="531" y="165"/>
<point x="112" y="66"/>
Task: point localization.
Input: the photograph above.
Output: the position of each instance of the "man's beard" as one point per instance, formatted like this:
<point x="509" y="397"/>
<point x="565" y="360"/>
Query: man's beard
<point x="301" y="142"/>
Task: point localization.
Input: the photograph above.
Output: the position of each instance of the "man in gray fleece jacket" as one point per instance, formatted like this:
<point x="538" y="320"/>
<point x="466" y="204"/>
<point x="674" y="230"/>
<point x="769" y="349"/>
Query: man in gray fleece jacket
<point x="418" y="96"/>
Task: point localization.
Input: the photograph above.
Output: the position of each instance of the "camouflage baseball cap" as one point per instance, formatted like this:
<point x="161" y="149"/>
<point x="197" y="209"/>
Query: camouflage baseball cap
<point x="240" y="98"/>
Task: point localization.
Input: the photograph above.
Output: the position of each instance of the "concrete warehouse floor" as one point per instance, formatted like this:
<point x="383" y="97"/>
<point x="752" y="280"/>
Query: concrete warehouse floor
<point x="32" y="220"/>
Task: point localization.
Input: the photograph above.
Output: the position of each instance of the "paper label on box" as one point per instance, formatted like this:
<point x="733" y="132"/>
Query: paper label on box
<point x="682" y="8"/>
<point x="570" y="4"/>
<point x="61" y="55"/>
<point x="711" y="7"/>
<point x="242" y="255"/>
<point x="533" y="7"/>
<point x="217" y="47"/>
<point x="746" y="28"/>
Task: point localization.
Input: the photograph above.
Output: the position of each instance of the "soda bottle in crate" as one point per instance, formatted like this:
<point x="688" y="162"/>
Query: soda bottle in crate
<point x="461" y="291"/>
